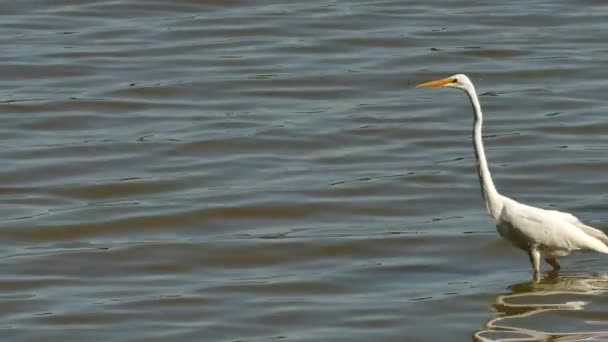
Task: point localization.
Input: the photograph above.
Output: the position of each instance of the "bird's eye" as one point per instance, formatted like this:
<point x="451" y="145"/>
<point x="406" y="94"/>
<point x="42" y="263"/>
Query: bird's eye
<point x="454" y="80"/>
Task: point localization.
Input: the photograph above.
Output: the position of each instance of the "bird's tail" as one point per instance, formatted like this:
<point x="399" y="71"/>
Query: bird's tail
<point x="600" y="236"/>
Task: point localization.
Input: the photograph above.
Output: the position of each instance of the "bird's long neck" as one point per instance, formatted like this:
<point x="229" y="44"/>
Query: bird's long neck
<point x="488" y="190"/>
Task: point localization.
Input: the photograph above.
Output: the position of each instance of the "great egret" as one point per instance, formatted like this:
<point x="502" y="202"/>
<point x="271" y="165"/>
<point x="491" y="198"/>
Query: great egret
<point x="539" y="232"/>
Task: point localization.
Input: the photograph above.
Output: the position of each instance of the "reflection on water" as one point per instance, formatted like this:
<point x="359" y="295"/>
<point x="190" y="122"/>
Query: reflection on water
<point x="537" y="304"/>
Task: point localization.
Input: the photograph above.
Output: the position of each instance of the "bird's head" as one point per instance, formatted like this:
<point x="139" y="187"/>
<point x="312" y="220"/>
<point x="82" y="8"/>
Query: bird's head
<point x="459" y="81"/>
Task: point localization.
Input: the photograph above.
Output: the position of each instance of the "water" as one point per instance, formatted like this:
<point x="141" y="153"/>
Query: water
<point x="241" y="171"/>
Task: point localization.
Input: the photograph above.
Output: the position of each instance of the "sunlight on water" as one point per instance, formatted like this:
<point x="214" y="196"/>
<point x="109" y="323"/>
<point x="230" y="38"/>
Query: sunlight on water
<point x="529" y="301"/>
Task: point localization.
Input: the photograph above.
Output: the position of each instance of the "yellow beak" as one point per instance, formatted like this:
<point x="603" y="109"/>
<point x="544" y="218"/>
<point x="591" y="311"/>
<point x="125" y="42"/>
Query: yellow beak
<point x="435" y="84"/>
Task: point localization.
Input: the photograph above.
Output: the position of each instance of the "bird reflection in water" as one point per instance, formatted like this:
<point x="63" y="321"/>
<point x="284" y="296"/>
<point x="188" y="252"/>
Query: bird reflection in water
<point x="528" y="302"/>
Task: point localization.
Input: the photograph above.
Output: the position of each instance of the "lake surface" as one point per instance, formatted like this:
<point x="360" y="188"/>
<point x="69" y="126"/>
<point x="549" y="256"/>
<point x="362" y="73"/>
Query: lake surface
<point x="214" y="170"/>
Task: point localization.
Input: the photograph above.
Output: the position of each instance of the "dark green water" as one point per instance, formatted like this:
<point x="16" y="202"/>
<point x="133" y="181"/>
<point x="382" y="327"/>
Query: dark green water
<point x="265" y="171"/>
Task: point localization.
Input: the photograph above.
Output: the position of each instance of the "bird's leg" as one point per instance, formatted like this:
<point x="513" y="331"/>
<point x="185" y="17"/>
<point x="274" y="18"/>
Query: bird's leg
<point x="553" y="262"/>
<point x="534" y="255"/>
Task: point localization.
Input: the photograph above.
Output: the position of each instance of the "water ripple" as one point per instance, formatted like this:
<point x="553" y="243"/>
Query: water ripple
<point x="233" y="171"/>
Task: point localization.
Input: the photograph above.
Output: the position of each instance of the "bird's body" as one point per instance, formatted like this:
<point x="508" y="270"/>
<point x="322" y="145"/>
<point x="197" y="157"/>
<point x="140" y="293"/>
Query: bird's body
<point x="541" y="233"/>
<point x="553" y="233"/>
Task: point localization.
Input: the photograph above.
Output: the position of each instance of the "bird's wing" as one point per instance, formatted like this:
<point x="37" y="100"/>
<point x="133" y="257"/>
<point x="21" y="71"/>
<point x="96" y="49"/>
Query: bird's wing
<point x="596" y="233"/>
<point x="553" y="229"/>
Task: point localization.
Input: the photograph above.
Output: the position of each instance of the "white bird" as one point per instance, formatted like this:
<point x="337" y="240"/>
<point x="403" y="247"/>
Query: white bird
<point x="541" y="233"/>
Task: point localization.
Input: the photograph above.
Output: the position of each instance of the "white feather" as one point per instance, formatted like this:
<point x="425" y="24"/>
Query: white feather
<point x="540" y="232"/>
